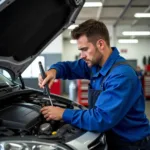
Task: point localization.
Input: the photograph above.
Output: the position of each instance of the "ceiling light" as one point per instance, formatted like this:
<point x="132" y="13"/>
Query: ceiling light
<point x="142" y="15"/>
<point x="128" y="41"/>
<point x="140" y="33"/>
<point x="92" y="4"/>
<point x="73" y="41"/>
<point x="73" y="26"/>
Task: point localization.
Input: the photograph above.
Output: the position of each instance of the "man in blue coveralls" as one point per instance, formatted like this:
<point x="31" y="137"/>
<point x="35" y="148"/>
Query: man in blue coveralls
<point x="116" y="100"/>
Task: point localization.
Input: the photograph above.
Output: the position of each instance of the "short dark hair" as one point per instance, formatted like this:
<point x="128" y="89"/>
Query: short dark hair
<point x="93" y="30"/>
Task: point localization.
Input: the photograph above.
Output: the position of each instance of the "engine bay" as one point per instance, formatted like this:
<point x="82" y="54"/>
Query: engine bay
<point x="20" y="116"/>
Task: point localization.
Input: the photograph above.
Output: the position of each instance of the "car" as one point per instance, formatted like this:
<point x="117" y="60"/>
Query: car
<point x="26" y="28"/>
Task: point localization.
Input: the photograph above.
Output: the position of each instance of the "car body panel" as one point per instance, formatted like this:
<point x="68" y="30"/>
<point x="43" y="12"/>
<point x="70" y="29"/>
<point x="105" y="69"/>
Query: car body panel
<point x="28" y="26"/>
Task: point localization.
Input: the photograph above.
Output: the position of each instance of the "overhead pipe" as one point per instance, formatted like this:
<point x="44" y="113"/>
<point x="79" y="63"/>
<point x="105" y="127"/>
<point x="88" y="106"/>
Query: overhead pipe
<point x="136" y="21"/>
<point x="98" y="15"/>
<point x="123" y="12"/>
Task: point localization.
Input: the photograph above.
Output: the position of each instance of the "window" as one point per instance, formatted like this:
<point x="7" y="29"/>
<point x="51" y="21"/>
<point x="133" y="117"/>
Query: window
<point x="33" y="70"/>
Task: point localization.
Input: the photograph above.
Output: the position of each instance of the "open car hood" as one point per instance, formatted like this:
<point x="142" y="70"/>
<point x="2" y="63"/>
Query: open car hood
<point x="28" y="26"/>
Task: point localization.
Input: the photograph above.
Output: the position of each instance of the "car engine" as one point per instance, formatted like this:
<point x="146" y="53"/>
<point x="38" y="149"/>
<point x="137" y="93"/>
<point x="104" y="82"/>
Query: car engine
<point x="20" y="116"/>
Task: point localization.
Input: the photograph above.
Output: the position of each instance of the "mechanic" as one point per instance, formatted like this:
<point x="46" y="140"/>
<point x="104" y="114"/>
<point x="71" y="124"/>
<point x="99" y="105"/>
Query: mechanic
<point x="139" y="72"/>
<point x="116" y="99"/>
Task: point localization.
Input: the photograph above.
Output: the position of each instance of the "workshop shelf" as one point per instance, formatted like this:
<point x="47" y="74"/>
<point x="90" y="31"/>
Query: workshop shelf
<point x="82" y="92"/>
<point x="147" y="86"/>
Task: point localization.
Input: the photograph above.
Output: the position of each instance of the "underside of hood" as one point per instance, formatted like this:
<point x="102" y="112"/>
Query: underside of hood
<point x="28" y="26"/>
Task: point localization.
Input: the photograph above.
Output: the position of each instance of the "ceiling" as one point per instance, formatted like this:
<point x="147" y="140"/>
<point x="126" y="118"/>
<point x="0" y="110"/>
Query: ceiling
<point x="118" y="14"/>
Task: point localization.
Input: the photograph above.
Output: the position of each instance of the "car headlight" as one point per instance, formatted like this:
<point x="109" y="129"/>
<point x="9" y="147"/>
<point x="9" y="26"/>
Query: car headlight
<point x="30" y="145"/>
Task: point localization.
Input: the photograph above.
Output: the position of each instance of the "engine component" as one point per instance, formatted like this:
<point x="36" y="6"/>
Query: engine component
<point x="21" y="116"/>
<point x="5" y="132"/>
<point x="46" y="129"/>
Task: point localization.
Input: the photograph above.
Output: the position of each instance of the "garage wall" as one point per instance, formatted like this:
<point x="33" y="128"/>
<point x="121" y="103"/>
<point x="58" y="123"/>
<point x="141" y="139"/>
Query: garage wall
<point x="51" y="54"/>
<point x="55" y="46"/>
<point x="134" y="51"/>
<point x="69" y="51"/>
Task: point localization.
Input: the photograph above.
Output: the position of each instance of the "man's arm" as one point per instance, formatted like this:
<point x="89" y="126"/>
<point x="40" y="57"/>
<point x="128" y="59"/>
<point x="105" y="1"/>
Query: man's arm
<point x="72" y="70"/>
<point x="111" y="106"/>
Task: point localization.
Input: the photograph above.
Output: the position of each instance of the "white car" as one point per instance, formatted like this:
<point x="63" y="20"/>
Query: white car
<point x="26" y="27"/>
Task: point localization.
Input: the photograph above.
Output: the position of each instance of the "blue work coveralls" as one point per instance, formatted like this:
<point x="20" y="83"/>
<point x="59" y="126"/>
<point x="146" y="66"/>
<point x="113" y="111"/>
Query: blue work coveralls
<point x="119" y="107"/>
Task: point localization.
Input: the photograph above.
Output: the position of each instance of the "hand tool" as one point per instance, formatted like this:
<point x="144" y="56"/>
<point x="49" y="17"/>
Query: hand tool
<point x="46" y="85"/>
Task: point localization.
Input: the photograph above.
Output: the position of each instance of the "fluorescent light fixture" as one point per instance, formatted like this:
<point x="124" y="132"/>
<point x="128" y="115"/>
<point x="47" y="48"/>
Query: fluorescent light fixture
<point x="92" y="4"/>
<point x="73" y="41"/>
<point x="142" y="15"/>
<point x="139" y="33"/>
<point x="73" y="26"/>
<point x="128" y="41"/>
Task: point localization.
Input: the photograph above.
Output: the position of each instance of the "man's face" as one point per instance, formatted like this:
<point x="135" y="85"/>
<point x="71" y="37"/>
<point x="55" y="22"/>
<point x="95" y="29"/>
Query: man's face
<point x="89" y="52"/>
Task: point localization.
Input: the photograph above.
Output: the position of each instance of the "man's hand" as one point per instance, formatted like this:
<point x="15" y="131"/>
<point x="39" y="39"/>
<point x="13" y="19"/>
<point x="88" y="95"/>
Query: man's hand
<point x="50" y="77"/>
<point x="52" y="112"/>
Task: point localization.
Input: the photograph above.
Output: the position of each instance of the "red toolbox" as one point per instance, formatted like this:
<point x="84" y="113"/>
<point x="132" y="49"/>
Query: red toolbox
<point x="56" y="87"/>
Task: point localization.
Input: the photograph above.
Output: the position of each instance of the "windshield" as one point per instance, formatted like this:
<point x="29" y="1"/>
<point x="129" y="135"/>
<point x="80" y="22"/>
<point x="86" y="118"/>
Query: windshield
<point x="5" y="82"/>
